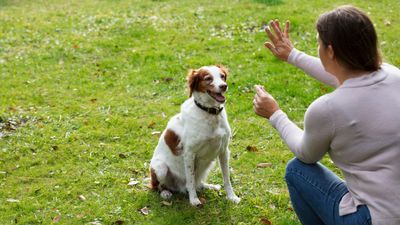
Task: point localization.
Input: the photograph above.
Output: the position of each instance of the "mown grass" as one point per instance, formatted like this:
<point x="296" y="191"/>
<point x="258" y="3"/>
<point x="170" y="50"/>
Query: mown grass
<point x="84" y="84"/>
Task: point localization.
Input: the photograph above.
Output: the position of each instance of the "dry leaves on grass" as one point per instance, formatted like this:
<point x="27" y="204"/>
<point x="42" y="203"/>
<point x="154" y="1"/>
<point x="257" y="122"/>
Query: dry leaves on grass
<point x="56" y="219"/>
<point x="12" y="200"/>
<point x="151" y="125"/>
<point x="203" y="200"/>
<point x="166" y="203"/>
<point x="145" y="211"/>
<point x="264" y="220"/>
<point x="118" y="222"/>
<point x="251" y="148"/>
<point x="133" y="182"/>
<point x="264" y="165"/>
<point x="82" y="198"/>
<point x="156" y="133"/>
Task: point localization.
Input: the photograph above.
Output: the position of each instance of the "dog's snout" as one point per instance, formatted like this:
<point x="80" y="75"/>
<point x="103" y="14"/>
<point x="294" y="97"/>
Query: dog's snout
<point x="223" y="87"/>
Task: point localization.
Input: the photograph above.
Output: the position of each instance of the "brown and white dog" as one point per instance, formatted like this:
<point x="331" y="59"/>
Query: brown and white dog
<point x="195" y="138"/>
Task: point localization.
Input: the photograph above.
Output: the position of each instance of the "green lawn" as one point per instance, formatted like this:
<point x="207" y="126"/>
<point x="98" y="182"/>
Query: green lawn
<point x="84" y="84"/>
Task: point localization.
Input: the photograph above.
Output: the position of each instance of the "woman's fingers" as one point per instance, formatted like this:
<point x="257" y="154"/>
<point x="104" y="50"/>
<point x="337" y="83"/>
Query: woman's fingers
<point x="271" y="36"/>
<point x="277" y="29"/>
<point x="271" y="48"/>
<point x="278" y="26"/>
<point x="286" y="31"/>
<point x="260" y="91"/>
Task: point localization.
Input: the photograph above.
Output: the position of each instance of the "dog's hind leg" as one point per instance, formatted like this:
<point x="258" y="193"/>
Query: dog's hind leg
<point x="167" y="182"/>
<point x="158" y="172"/>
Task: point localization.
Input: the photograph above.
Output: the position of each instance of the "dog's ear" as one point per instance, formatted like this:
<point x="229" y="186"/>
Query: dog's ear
<point x="193" y="81"/>
<point x="224" y="70"/>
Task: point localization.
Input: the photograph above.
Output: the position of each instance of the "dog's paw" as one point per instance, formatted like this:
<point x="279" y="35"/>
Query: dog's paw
<point x="165" y="194"/>
<point x="196" y="202"/>
<point x="234" y="199"/>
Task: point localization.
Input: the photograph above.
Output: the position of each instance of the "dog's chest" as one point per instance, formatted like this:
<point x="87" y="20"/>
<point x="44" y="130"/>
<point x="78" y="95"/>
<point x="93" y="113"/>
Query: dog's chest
<point x="209" y="145"/>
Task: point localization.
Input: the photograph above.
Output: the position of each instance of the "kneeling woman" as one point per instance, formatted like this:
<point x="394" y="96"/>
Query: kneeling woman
<point x="357" y="124"/>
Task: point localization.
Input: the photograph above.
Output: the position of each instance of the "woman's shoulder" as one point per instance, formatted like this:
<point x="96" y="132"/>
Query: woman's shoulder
<point x="390" y="69"/>
<point x="321" y="104"/>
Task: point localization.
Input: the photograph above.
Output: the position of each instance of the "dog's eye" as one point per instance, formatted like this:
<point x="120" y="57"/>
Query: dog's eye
<point x="208" y="78"/>
<point x="223" y="76"/>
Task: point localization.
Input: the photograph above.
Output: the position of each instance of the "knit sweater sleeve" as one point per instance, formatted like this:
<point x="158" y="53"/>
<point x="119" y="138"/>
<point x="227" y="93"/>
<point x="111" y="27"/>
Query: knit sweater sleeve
<point x="312" y="66"/>
<point x="311" y="144"/>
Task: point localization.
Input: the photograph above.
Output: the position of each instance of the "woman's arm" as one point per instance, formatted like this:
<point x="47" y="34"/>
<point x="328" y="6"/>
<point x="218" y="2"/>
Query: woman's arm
<point x="281" y="47"/>
<point x="311" y="144"/>
<point x="312" y="66"/>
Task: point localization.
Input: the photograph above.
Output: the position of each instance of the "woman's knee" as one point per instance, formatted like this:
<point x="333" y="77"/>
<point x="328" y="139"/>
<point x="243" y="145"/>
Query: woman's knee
<point x="293" y="168"/>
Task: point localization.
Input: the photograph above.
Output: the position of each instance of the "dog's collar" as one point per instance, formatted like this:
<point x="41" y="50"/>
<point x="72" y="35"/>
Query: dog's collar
<point x="214" y="111"/>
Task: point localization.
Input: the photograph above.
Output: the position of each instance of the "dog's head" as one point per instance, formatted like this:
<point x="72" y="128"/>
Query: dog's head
<point x="208" y="84"/>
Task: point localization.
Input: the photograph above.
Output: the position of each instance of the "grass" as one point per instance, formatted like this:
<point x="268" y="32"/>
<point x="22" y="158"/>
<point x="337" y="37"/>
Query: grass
<point x="84" y="84"/>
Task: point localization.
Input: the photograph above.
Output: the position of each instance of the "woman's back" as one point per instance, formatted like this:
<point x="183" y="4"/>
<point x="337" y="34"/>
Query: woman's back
<point x="365" y="114"/>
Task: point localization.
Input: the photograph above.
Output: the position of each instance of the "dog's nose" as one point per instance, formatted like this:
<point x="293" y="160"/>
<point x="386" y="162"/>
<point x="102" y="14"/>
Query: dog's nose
<point x="223" y="87"/>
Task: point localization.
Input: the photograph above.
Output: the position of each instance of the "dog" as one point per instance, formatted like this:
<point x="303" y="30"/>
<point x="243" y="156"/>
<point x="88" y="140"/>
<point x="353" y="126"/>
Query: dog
<point x="194" y="139"/>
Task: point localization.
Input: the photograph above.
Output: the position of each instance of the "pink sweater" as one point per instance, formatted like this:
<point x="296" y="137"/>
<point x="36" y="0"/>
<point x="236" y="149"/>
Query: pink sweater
<point x="358" y="125"/>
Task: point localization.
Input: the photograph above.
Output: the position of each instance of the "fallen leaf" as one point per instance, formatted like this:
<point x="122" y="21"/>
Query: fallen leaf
<point x="203" y="200"/>
<point x="118" y="222"/>
<point x="122" y="155"/>
<point x="56" y="219"/>
<point x="82" y="198"/>
<point x="166" y="203"/>
<point x="290" y="209"/>
<point x="168" y="79"/>
<point x="93" y="100"/>
<point x="145" y="211"/>
<point x="252" y="148"/>
<point x="264" y="220"/>
<point x="133" y="182"/>
<point x="158" y="133"/>
<point x="151" y="124"/>
<point x="264" y="165"/>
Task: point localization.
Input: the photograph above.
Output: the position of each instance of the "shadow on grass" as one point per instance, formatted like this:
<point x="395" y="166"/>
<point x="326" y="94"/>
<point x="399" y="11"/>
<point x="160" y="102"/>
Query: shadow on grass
<point x="270" y="2"/>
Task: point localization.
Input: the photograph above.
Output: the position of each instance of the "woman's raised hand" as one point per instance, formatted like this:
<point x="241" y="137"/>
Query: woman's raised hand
<point x="280" y="44"/>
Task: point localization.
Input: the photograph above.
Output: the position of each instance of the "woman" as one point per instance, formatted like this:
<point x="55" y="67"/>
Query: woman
<point x="358" y="125"/>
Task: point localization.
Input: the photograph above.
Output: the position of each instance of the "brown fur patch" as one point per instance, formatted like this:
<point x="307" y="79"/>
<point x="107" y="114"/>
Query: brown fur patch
<point x="224" y="71"/>
<point x="172" y="140"/>
<point x="196" y="81"/>
<point x="154" y="180"/>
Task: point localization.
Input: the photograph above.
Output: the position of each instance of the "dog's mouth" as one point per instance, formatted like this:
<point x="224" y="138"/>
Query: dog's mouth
<point x="218" y="96"/>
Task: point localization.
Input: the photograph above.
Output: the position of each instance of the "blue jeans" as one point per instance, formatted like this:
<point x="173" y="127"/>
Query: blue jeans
<point x="315" y="192"/>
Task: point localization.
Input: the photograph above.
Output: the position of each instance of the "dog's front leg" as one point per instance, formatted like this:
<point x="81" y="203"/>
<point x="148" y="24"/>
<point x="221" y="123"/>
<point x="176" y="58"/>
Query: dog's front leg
<point x="189" y="159"/>
<point x="224" y="162"/>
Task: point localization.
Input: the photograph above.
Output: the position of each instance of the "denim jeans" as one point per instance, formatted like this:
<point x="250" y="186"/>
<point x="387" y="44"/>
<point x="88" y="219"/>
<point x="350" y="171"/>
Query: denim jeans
<point x="315" y="192"/>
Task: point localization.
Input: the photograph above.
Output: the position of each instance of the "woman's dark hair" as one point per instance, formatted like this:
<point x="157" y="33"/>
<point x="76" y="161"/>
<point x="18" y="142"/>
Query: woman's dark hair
<point x="352" y="36"/>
